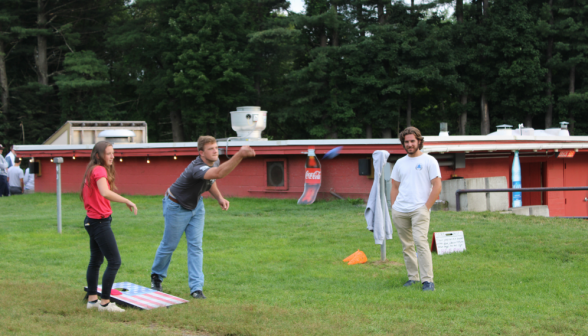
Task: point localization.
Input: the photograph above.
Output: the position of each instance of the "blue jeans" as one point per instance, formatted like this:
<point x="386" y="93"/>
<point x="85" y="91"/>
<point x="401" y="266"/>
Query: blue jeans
<point x="4" y="189"/>
<point x="177" y="221"/>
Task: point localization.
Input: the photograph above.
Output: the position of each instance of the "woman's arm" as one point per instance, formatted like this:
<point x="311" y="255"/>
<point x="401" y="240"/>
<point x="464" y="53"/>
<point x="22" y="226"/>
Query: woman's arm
<point x="112" y="196"/>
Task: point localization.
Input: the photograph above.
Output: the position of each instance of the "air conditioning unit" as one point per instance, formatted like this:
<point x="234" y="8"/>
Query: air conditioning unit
<point x="249" y="122"/>
<point x="117" y="135"/>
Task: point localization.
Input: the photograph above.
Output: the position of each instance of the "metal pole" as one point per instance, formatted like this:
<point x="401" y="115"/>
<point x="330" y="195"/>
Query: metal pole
<point x="58" y="161"/>
<point x="384" y="205"/>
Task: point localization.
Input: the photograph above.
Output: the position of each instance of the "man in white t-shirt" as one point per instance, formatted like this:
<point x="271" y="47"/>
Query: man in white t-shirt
<point x="416" y="184"/>
<point x="15" y="178"/>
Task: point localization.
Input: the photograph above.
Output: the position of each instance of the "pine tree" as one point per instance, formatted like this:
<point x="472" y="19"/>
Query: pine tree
<point x="318" y="86"/>
<point x="572" y="51"/>
<point x="519" y="85"/>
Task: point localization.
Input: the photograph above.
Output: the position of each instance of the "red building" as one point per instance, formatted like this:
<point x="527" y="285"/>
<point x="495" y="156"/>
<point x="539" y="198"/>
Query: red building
<point x="278" y="169"/>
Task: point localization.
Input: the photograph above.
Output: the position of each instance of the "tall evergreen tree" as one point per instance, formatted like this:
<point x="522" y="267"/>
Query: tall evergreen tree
<point x="572" y="50"/>
<point x="519" y="85"/>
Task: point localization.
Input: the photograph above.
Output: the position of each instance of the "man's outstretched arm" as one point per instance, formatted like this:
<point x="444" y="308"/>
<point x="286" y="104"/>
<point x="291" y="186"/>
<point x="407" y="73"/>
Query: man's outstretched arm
<point x="226" y="168"/>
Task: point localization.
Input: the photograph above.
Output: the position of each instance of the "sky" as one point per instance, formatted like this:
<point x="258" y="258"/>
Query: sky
<point x="298" y="5"/>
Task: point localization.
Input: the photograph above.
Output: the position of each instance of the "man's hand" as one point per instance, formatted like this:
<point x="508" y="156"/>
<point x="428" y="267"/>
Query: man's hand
<point x="246" y="152"/>
<point x="224" y="204"/>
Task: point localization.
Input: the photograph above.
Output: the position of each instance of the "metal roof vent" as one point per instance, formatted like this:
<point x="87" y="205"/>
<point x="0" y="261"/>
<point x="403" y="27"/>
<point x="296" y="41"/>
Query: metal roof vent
<point x="443" y="131"/>
<point x="249" y="122"/>
<point x="117" y="135"/>
<point x="564" y="129"/>
<point x="503" y="130"/>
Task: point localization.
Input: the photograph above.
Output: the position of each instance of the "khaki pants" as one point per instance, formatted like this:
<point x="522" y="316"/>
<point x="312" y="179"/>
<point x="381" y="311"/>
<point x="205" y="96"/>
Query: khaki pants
<point x="413" y="229"/>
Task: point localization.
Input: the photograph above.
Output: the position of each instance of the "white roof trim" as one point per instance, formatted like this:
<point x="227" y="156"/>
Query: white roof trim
<point x="503" y="147"/>
<point x="552" y="142"/>
<point x="473" y="138"/>
<point x="221" y="143"/>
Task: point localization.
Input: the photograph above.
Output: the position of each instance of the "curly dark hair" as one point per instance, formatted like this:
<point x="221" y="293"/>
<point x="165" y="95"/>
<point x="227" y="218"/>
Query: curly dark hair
<point x="414" y="131"/>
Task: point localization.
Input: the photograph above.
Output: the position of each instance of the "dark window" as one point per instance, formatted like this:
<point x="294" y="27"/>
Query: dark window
<point x="275" y="174"/>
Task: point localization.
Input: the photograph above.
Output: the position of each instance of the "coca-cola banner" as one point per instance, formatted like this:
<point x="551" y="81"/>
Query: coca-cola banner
<point x="312" y="176"/>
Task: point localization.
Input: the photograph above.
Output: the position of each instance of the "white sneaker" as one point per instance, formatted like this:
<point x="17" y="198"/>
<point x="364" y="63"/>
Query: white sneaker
<point x="111" y="307"/>
<point x="91" y="305"/>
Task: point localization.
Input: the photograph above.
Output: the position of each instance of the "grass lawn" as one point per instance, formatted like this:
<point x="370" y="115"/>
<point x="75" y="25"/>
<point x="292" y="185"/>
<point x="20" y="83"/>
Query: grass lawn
<point x="274" y="268"/>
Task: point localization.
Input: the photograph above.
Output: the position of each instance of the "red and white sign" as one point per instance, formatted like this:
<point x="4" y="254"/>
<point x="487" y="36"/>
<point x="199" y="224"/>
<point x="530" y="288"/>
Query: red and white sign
<point x="141" y="297"/>
<point x="312" y="176"/>
<point x="566" y="153"/>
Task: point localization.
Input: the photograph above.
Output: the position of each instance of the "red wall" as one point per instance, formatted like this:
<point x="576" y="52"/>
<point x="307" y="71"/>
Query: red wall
<point x="341" y="175"/>
<point x="572" y="172"/>
<point x="576" y="174"/>
<point x="134" y="176"/>
<point x="533" y="178"/>
<point x="480" y="168"/>
<point x="137" y="177"/>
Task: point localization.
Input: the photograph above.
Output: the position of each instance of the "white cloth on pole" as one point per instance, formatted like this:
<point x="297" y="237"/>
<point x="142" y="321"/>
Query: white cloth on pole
<point x="376" y="213"/>
<point x="29" y="180"/>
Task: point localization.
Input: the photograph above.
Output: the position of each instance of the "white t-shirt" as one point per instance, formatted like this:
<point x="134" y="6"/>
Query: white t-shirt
<point x="14" y="176"/>
<point x="415" y="175"/>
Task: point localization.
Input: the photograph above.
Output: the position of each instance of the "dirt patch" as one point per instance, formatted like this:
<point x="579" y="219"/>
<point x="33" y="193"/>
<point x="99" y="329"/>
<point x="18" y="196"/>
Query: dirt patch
<point x="386" y="263"/>
<point x="175" y="331"/>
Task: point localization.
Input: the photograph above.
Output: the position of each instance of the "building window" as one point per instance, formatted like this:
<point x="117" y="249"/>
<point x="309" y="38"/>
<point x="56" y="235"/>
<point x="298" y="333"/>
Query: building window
<point x="276" y="174"/>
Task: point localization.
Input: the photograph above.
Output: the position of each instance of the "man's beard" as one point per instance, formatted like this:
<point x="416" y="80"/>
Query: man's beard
<point x="411" y="150"/>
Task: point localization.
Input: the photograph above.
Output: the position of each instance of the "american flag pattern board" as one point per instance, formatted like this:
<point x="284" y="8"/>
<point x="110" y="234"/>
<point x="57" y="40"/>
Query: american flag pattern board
<point x="142" y="297"/>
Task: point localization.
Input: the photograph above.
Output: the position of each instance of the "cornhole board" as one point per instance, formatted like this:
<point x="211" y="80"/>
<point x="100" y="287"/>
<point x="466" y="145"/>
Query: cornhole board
<point x="448" y="242"/>
<point x="140" y="297"/>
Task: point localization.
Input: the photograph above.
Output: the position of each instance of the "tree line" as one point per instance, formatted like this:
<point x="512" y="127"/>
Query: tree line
<point x="343" y="69"/>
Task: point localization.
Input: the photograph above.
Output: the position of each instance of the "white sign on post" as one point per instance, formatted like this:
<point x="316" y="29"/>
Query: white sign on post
<point x="448" y="242"/>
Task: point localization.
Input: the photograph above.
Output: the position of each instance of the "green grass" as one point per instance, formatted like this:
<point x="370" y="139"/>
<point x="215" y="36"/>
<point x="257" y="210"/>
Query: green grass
<point x="274" y="268"/>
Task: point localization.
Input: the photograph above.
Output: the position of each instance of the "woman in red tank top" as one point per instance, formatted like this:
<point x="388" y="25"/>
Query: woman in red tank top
<point x="96" y="194"/>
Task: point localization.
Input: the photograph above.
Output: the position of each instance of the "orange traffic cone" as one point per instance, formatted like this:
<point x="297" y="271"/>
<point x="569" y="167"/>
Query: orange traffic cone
<point x="359" y="258"/>
<point x="351" y="256"/>
<point x="356" y="258"/>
